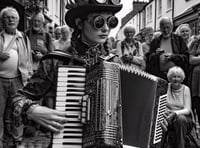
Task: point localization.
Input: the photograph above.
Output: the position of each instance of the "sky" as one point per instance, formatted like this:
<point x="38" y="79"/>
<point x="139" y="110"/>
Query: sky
<point x="127" y="7"/>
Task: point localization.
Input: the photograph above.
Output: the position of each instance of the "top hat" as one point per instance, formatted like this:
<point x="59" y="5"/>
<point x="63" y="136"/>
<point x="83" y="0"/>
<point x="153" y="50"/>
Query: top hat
<point x="81" y="8"/>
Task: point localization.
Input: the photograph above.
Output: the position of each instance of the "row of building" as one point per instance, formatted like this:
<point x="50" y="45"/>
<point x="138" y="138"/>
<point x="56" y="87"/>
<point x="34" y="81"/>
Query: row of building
<point x="54" y="10"/>
<point x="142" y="14"/>
<point x="148" y="14"/>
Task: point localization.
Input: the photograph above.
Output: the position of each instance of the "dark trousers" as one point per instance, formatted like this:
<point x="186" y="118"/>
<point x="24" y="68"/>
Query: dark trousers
<point x="196" y="106"/>
<point x="8" y="87"/>
<point x="181" y="126"/>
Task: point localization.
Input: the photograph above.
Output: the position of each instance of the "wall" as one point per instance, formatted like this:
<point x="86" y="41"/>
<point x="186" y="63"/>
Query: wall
<point x="54" y="11"/>
<point x="153" y="21"/>
<point x="180" y="8"/>
<point x="127" y="7"/>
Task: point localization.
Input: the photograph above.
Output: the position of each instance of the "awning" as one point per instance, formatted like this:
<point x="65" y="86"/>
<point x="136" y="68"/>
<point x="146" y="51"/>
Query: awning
<point x="187" y="16"/>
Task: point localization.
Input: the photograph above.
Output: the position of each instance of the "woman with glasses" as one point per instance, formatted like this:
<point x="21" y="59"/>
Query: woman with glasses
<point x="91" y="21"/>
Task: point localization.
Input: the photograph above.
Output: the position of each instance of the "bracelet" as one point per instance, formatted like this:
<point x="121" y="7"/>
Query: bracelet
<point x="27" y="104"/>
<point x="30" y="110"/>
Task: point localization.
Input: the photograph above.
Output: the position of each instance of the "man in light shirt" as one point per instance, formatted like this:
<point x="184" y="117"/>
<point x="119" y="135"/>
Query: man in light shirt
<point x="15" y="68"/>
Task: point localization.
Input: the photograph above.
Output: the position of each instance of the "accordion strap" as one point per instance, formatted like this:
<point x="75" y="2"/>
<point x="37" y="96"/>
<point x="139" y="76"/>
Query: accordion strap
<point x="62" y="56"/>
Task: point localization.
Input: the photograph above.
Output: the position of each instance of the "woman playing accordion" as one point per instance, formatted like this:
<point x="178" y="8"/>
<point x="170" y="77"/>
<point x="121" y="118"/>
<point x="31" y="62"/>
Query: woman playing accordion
<point x="92" y="21"/>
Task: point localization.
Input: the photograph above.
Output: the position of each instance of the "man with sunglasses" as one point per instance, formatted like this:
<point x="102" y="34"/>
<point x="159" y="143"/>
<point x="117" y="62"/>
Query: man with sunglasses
<point x="91" y="21"/>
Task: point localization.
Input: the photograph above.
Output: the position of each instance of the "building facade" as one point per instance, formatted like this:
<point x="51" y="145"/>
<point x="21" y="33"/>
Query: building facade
<point x="53" y="10"/>
<point x="132" y="18"/>
<point x="180" y="11"/>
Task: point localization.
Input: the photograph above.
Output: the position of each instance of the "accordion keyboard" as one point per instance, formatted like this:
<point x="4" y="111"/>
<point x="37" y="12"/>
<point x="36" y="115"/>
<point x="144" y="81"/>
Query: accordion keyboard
<point x="70" y="91"/>
<point x="159" y="118"/>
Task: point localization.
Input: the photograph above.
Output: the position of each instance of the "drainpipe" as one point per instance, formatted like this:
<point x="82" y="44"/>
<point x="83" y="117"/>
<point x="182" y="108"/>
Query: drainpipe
<point x="198" y="22"/>
<point x="173" y="10"/>
<point x="155" y="15"/>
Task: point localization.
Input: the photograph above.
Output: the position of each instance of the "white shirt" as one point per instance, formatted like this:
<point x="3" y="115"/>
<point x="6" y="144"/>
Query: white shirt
<point x="9" y="67"/>
<point x="61" y="45"/>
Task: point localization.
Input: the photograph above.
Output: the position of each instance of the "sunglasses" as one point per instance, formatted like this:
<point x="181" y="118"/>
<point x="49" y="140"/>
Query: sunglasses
<point x="99" y="21"/>
<point x="114" y="2"/>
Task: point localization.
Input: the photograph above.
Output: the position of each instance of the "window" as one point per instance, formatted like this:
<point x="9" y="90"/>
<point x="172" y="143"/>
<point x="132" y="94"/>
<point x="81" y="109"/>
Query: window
<point x="149" y="14"/>
<point x="159" y="7"/>
<point x="169" y="4"/>
<point x="45" y="2"/>
<point x="57" y="8"/>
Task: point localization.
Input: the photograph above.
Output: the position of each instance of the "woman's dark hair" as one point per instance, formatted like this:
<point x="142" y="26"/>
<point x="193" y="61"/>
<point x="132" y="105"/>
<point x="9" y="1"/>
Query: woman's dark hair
<point x="76" y="33"/>
<point x="74" y="37"/>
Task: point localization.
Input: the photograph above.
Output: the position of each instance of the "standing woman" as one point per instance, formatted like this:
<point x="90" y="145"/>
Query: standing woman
<point x="147" y="33"/>
<point x="92" y="21"/>
<point x="130" y="50"/>
<point x="194" y="60"/>
<point x="185" y="32"/>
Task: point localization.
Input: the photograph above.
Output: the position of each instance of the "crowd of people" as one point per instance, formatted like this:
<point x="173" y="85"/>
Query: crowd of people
<point x="27" y="79"/>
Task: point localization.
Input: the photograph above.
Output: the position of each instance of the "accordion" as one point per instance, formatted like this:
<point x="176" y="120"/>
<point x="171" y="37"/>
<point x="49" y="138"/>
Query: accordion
<point x="143" y="105"/>
<point x="109" y="105"/>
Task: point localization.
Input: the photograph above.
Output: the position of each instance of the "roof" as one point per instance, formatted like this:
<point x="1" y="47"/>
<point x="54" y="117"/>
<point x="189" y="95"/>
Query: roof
<point x="137" y="7"/>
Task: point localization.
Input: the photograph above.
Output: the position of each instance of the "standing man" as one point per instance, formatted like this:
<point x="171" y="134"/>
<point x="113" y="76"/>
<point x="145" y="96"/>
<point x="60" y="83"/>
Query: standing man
<point x="166" y="51"/>
<point x="15" y="66"/>
<point x="41" y="41"/>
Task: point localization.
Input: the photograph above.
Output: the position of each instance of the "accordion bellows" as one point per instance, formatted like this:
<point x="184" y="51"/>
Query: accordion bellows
<point x="143" y="105"/>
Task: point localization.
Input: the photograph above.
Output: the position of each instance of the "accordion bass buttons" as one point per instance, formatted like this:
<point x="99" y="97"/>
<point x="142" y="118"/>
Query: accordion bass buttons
<point x="84" y="109"/>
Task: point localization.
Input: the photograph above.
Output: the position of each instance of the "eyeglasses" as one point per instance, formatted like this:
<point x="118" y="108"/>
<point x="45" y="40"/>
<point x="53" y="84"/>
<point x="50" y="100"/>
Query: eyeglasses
<point x="99" y="21"/>
<point x="10" y="17"/>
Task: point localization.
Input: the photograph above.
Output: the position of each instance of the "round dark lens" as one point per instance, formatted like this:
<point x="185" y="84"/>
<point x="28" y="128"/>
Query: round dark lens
<point x="116" y="2"/>
<point x="101" y="1"/>
<point x="112" y="22"/>
<point x="99" y="22"/>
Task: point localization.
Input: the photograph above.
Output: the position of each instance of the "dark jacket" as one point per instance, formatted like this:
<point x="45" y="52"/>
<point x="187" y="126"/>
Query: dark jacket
<point x="180" y="55"/>
<point x="43" y="82"/>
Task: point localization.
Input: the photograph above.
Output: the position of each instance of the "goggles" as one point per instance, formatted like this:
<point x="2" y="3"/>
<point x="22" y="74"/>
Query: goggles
<point x="114" y="2"/>
<point x="99" y="21"/>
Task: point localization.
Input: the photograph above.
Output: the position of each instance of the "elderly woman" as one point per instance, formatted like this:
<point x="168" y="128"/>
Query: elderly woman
<point x="130" y="50"/>
<point x="185" y="32"/>
<point x="92" y="22"/>
<point x="178" y="115"/>
<point x="147" y="33"/>
<point x="63" y="42"/>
